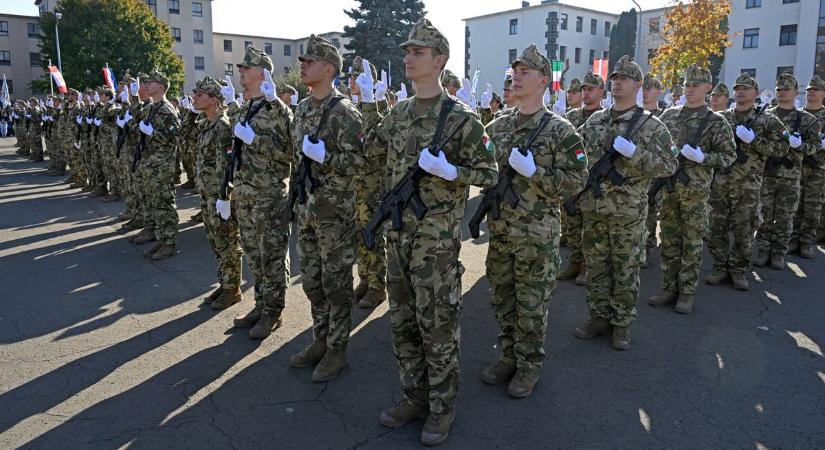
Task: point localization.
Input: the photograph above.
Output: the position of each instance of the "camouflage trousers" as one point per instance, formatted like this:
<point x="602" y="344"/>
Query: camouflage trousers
<point x="188" y="160"/>
<point x="372" y="264"/>
<point x="110" y="164"/>
<point x="22" y="138"/>
<point x="522" y="272"/>
<point x="35" y="145"/>
<point x="76" y="160"/>
<point x="734" y="213"/>
<point x="96" y="161"/>
<point x="57" y="154"/>
<point x="225" y="240"/>
<point x="160" y="199"/>
<point x="809" y="213"/>
<point x="684" y="221"/>
<point x="572" y="235"/>
<point x="779" y="199"/>
<point x="613" y="248"/>
<point x="653" y="215"/>
<point x="424" y="287"/>
<point x="263" y="221"/>
<point x="130" y="190"/>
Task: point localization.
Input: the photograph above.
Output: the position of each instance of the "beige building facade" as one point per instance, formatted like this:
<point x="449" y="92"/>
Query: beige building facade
<point x="20" y="59"/>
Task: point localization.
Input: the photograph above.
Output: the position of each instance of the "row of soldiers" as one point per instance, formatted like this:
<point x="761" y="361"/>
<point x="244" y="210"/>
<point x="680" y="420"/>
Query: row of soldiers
<point x="353" y="164"/>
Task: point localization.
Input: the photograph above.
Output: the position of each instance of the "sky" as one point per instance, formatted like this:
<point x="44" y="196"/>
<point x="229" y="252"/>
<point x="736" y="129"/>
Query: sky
<point x="295" y="19"/>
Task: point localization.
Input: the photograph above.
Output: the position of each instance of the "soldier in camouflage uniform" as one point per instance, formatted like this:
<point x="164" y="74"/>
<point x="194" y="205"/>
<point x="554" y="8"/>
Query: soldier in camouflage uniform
<point x="423" y="269"/>
<point x="651" y="89"/>
<point x="614" y="227"/>
<point x="781" y="185"/>
<point x="106" y="134"/>
<point x="592" y="89"/>
<point x="138" y="111"/>
<point x="90" y="144"/>
<point x="260" y="191"/>
<point x="73" y="112"/>
<point x="450" y="82"/>
<point x="57" y="153"/>
<point x="288" y="95"/>
<point x="706" y="144"/>
<point x="188" y="147"/>
<point x="734" y="195"/>
<point x="372" y="266"/>
<point x="523" y="255"/>
<point x="574" y="94"/>
<point x="21" y="127"/>
<point x="212" y="151"/>
<point x="719" y="97"/>
<point x="35" y="131"/>
<point x="326" y="222"/>
<point x="808" y="215"/>
<point x="161" y="128"/>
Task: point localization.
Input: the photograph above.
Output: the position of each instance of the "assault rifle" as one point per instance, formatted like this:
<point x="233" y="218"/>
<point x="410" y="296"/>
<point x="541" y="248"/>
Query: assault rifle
<point x="680" y="175"/>
<point x="236" y="160"/>
<point x="138" y="153"/>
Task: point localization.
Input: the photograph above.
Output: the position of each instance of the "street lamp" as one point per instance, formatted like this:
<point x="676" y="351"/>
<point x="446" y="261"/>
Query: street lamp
<point x="638" y="33"/>
<point x="57" y="17"/>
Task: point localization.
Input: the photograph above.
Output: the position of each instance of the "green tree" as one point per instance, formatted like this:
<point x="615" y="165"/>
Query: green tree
<point x="293" y="78"/>
<point x="380" y="27"/>
<point x="123" y="33"/>
<point x="622" y="38"/>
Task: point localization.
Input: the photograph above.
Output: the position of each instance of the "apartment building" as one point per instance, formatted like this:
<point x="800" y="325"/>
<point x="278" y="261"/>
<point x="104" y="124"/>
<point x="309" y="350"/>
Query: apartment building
<point x="20" y="59"/>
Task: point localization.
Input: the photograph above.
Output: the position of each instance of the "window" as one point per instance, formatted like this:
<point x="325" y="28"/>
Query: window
<point x="227" y="45"/>
<point x="228" y="69"/>
<point x="753" y="3"/>
<point x="198" y="35"/>
<point x="4" y="28"/>
<point x="593" y="25"/>
<point x="336" y="42"/>
<point x="513" y="26"/>
<point x="592" y="56"/>
<point x="286" y="70"/>
<point x="579" y="23"/>
<point x="197" y="9"/>
<point x="605" y="54"/>
<point x="784" y="69"/>
<point x="511" y="56"/>
<point x="651" y="53"/>
<point x="35" y="60"/>
<point x="577" y="58"/>
<point x="268" y="48"/>
<point x="11" y="86"/>
<point x="34" y="29"/>
<point x="176" y="34"/>
<point x="247" y="44"/>
<point x="5" y="58"/>
<point x="174" y="6"/>
<point x="153" y="5"/>
<point x="751" y="72"/>
<point x="563" y="21"/>
<point x="301" y="47"/>
<point x="562" y="52"/>
<point x="607" y="29"/>
<point x="287" y="50"/>
<point x="790" y="1"/>
<point x="787" y="35"/>
<point x="653" y="26"/>
<point x="199" y="65"/>
<point x="751" y="38"/>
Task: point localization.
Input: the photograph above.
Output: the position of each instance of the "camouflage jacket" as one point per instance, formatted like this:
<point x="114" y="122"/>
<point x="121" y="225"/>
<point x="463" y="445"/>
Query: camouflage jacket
<point x="771" y="140"/>
<point x="161" y="145"/>
<point x="504" y="112"/>
<point x="404" y="135"/>
<point x="809" y="129"/>
<point x="108" y="129"/>
<point x="820" y="154"/>
<point x="655" y="157"/>
<point x="55" y="125"/>
<point x="212" y="152"/>
<point x="188" y="126"/>
<point x="344" y="143"/>
<point x="716" y="140"/>
<point x="578" y="116"/>
<point x="70" y="126"/>
<point x="561" y="171"/>
<point x="36" y="119"/>
<point x="374" y="157"/>
<point x="266" y="161"/>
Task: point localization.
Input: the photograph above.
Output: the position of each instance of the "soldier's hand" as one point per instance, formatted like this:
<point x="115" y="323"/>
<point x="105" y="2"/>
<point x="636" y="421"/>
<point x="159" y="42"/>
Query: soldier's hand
<point x="97" y="122"/>
<point x="134" y="87"/>
<point x="146" y="128"/>
<point x="224" y="209"/>
<point x="88" y="121"/>
<point x="184" y="102"/>
<point x="314" y="151"/>
<point x="402" y="94"/>
<point x="487" y="97"/>
<point x="465" y="94"/>
<point x="364" y="82"/>
<point x="121" y="122"/>
<point x="293" y="99"/>
<point x="50" y="103"/>
<point x="381" y="87"/>
<point x="79" y="119"/>
<point x="669" y="99"/>
<point x="694" y="154"/>
<point x="524" y="165"/>
<point x="244" y="133"/>
<point x="97" y="97"/>
<point x="745" y="134"/>
<point x="560" y="107"/>
<point x="624" y="147"/>
<point x="795" y="140"/>
<point x="76" y="145"/>
<point x="124" y="96"/>
<point x="437" y="165"/>
<point x="822" y="143"/>
<point x="228" y="91"/>
<point x="127" y="117"/>
<point x="546" y="98"/>
<point x="268" y="86"/>
<point x="608" y="101"/>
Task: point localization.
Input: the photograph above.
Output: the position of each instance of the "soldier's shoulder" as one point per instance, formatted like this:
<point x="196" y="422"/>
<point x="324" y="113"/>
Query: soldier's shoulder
<point x="346" y="108"/>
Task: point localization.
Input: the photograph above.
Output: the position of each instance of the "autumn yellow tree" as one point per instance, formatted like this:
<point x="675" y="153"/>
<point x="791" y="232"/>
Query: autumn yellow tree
<point x="694" y="33"/>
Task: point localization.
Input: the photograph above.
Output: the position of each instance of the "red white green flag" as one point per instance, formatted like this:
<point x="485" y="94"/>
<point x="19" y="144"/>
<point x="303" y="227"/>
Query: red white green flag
<point x="557" y="68"/>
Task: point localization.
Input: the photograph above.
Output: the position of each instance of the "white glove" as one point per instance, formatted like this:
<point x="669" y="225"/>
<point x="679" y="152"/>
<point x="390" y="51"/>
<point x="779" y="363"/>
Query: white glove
<point x="89" y="121"/>
<point x="465" y="94"/>
<point x="76" y="145"/>
<point x="402" y="94"/>
<point x="608" y="101"/>
<point x="822" y="143"/>
<point x="98" y="122"/>
<point x="97" y="97"/>
<point x="381" y="87"/>
<point x="111" y="101"/>
<point x="134" y="87"/>
<point x="694" y="154"/>
<point x="50" y="103"/>
<point x="546" y="98"/>
<point x="224" y="209"/>
<point x="124" y="96"/>
<point x="293" y="99"/>
<point x="437" y="165"/>
<point x="669" y="99"/>
<point x="120" y="122"/>
<point x="239" y="101"/>
<point x="146" y="128"/>
<point x="268" y="86"/>
<point x="316" y="152"/>
<point x="746" y="134"/>
<point x="244" y="133"/>
<point x="625" y="147"/>
<point x="354" y="99"/>
<point x="184" y="102"/>
<point x="127" y="117"/>
<point x="365" y="84"/>
<point x="487" y="97"/>
<point x="524" y="165"/>
<point x="560" y="107"/>
<point x="228" y="91"/>
<point x="79" y="119"/>
<point x="682" y="100"/>
<point x="795" y="141"/>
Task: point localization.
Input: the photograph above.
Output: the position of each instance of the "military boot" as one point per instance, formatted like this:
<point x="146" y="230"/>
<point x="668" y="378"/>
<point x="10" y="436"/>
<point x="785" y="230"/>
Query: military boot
<point x="227" y="298"/>
<point x="662" y="298"/>
<point x="373" y="298"/>
<point x="685" y="304"/>
<point x="437" y="428"/>
<point x="309" y="356"/>
<point x="499" y="373"/>
<point x="100" y="192"/>
<point x="268" y="323"/>
<point x="188" y="185"/>
<point x="760" y="258"/>
<point x="134" y="224"/>
<point x="581" y="280"/>
<point x="112" y="197"/>
<point x="620" y="338"/>
<point x="717" y="276"/>
<point x="76" y="184"/>
<point x="793" y="246"/>
<point x="249" y="319"/>
<point x="146" y="235"/>
<point x="151" y="250"/>
<point x="571" y="271"/>
<point x="361" y="290"/>
<point x="165" y="251"/>
<point x="778" y="262"/>
<point x="197" y="217"/>
<point x="739" y="281"/>
<point x="523" y="383"/>
<point x="402" y="413"/>
<point x="806" y="251"/>
<point x="213" y="296"/>
<point x="592" y="328"/>
<point x="333" y="362"/>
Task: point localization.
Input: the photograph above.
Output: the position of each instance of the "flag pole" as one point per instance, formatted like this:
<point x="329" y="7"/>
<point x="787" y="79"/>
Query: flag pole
<point x="51" y="79"/>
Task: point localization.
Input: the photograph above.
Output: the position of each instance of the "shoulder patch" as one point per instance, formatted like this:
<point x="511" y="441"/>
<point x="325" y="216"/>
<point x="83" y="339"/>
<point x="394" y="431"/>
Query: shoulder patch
<point x="488" y="143"/>
<point x="580" y="155"/>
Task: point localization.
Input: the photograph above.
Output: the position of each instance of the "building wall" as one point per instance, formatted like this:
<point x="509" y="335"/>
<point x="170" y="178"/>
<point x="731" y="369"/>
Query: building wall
<point x="187" y="21"/>
<point x="17" y="41"/>
<point x="651" y="36"/>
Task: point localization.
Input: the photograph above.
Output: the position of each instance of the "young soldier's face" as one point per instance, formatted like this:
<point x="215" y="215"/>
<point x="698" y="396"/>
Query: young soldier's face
<point x="624" y="87"/>
<point x="251" y="76"/>
<point x="786" y="95"/>
<point x="719" y="102"/>
<point x="313" y="72"/>
<point x="528" y="82"/>
<point x="574" y="98"/>
<point x="744" y="94"/>
<point x="286" y="97"/>
<point x="814" y="98"/>
<point x="695" y="93"/>
<point x="200" y="100"/>
<point x="451" y="89"/>
<point x="353" y="86"/>
<point x="592" y="96"/>
<point x="508" y="96"/>
<point x="422" y="62"/>
<point x="651" y="95"/>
